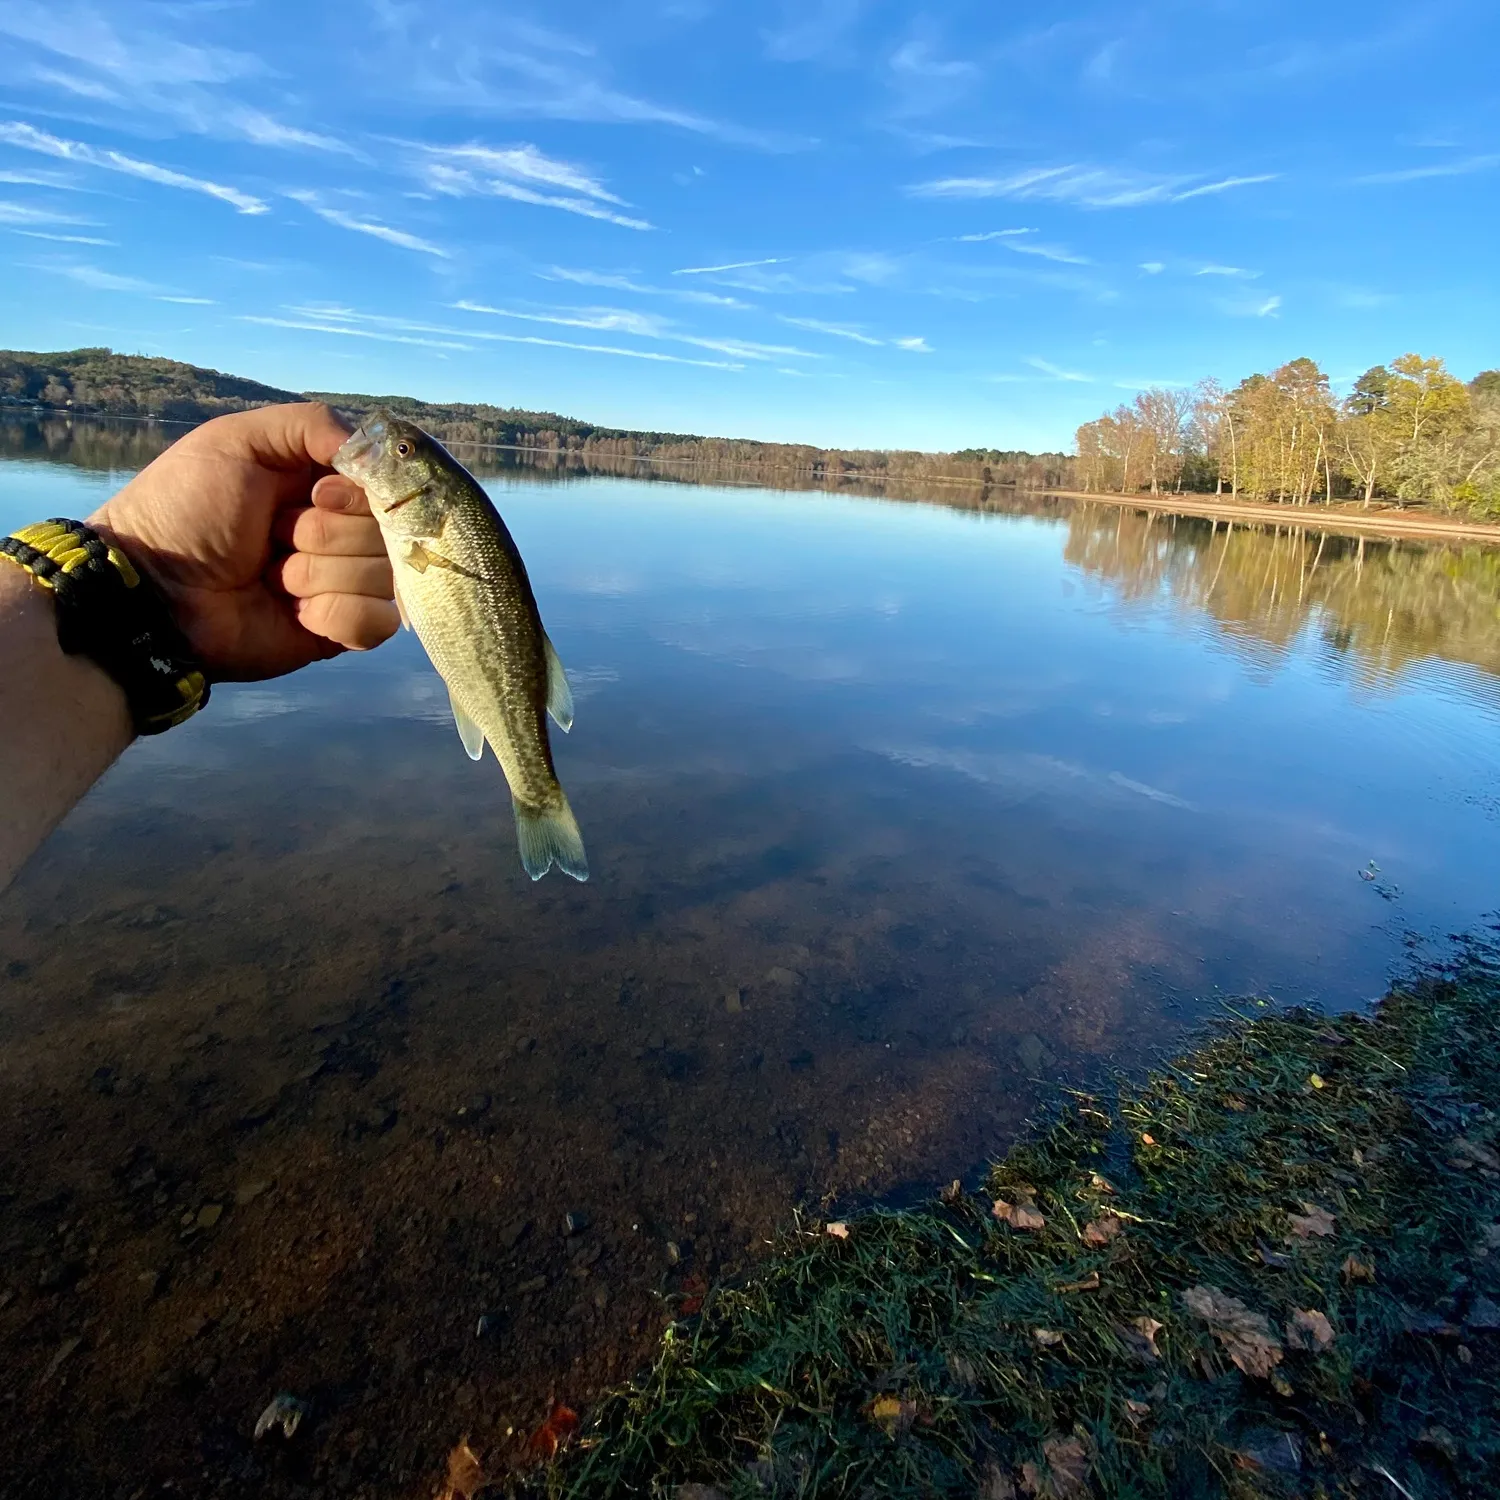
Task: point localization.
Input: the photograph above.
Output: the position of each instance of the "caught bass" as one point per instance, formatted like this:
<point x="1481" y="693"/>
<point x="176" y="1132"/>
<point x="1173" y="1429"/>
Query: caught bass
<point x="461" y="585"/>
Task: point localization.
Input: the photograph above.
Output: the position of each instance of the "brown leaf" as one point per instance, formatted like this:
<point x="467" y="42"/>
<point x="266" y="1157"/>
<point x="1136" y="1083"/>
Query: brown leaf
<point x="699" y="1492"/>
<point x="838" y="1229"/>
<point x="1467" y="1153"/>
<point x="1136" y="1412"/>
<point x="561" y="1424"/>
<point x="954" y="1192"/>
<point x="995" y="1484"/>
<point x="1147" y="1139"/>
<point x="1018" y="1215"/>
<point x="1090" y="1283"/>
<point x="1103" y="1229"/>
<point x="465" y="1477"/>
<point x="1047" y="1337"/>
<point x="1139" y="1338"/>
<point x="1067" y="1467"/>
<point x="1100" y="1184"/>
<point x="1311" y="1221"/>
<point x="1355" y="1269"/>
<point x="1307" y="1328"/>
<point x="1245" y="1335"/>
<point x="1031" y="1479"/>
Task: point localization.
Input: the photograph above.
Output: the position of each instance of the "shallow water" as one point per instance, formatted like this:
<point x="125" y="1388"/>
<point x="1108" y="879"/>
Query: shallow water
<point x="899" y="815"/>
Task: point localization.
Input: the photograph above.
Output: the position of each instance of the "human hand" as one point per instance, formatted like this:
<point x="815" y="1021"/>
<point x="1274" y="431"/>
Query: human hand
<point x="267" y="558"/>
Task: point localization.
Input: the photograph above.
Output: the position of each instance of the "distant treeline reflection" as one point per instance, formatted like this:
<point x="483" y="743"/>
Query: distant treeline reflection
<point x="1387" y="605"/>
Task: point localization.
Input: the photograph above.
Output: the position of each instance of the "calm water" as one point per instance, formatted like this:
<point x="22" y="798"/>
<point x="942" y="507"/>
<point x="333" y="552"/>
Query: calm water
<point x="896" y="813"/>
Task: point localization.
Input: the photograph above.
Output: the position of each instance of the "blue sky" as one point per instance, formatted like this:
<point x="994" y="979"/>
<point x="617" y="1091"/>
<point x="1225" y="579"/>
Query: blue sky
<point x="856" y="222"/>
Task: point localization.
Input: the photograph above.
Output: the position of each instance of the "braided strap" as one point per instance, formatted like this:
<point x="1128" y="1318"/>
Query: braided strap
<point x="108" y="612"/>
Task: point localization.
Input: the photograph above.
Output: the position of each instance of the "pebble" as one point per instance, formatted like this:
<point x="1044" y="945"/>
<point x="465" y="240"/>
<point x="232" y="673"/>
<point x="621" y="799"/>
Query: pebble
<point x="510" y="1236"/>
<point x="248" y="1192"/>
<point x="475" y="1104"/>
<point x="781" y="975"/>
<point x="66" y="1348"/>
<point x="1033" y="1053"/>
<point x="209" y="1215"/>
<point x="734" y="1000"/>
<point x="576" y="1222"/>
<point x="151" y="1283"/>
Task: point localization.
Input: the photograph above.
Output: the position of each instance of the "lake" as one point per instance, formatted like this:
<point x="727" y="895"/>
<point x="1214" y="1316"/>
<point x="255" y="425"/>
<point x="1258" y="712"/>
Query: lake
<point x="900" y="816"/>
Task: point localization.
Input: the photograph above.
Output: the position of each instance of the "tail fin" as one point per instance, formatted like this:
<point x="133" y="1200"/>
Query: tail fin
<point x="550" y="836"/>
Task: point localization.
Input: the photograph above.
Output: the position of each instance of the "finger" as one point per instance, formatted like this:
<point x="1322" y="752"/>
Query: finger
<point x="305" y="575"/>
<point x="334" y="492"/>
<point x="282" y="437"/>
<point x="329" y="533"/>
<point x="350" y="620"/>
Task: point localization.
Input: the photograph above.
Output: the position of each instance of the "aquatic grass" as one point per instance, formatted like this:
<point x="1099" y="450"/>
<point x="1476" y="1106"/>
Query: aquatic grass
<point x="1303" y="1166"/>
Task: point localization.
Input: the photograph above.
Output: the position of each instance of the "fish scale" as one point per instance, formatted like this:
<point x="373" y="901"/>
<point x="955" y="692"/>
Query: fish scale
<point x="463" y="589"/>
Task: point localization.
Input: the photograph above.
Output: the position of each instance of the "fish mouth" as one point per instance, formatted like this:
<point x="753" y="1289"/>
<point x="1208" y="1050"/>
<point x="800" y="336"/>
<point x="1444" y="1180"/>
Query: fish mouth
<point x="362" y="451"/>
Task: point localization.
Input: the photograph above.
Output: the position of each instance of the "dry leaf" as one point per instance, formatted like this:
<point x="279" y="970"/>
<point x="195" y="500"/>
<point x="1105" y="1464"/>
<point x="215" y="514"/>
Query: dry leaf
<point x="1067" y="1467"/>
<point x="1103" y="1229"/>
<point x="839" y="1230"/>
<point x="1032" y="1482"/>
<point x="1489" y="1236"/>
<point x="1090" y="1283"/>
<point x="1147" y="1140"/>
<point x="1311" y="1221"/>
<point x="1136" y="1412"/>
<point x="1047" y="1337"/>
<point x="699" y="1492"/>
<point x="1308" y="1329"/>
<point x="995" y="1484"/>
<point x="1139" y="1338"/>
<point x="1483" y="1314"/>
<point x="561" y="1424"/>
<point x="1467" y="1153"/>
<point x="1355" y="1269"/>
<point x="1100" y="1184"/>
<point x="953" y="1193"/>
<point x="1234" y="1102"/>
<point x="1318" y="1081"/>
<point x="1245" y="1335"/>
<point x="465" y="1476"/>
<point x="894" y="1414"/>
<point x="1018" y="1215"/>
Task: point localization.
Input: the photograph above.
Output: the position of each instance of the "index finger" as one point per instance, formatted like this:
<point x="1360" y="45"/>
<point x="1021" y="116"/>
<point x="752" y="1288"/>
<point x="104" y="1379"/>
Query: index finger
<point x="335" y="492"/>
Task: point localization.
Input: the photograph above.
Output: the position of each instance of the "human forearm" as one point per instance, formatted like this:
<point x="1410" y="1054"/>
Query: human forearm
<point x="65" y="721"/>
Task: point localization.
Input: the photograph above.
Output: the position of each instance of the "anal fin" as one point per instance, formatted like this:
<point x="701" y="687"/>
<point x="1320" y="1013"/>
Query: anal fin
<point x="559" y="694"/>
<point x="468" y="731"/>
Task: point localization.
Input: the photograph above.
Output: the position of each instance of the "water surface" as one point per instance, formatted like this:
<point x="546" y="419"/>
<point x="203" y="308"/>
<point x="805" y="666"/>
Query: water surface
<point x="899" y="814"/>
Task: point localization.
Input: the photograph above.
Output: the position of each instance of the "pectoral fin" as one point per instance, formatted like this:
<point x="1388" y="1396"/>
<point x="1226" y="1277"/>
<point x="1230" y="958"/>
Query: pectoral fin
<point x="559" y="694"/>
<point x="401" y="609"/>
<point x="468" y="731"/>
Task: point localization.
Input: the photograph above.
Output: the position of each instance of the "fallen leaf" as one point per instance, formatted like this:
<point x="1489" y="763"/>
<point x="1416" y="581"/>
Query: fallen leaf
<point x="995" y="1484"/>
<point x="1245" y="1335"/>
<point x="953" y="1192"/>
<point x="1031" y="1479"/>
<point x="1263" y="1449"/>
<point x="1147" y="1140"/>
<point x="1103" y="1229"/>
<point x="1101" y="1184"/>
<point x="1234" y="1102"/>
<point x="1018" y="1215"/>
<point x="1355" y="1269"/>
<point x="699" y="1492"/>
<point x="1139" y="1338"/>
<point x="1273" y="1258"/>
<point x="1136" y="1412"/>
<point x="1067" y="1467"/>
<point x="561" y="1424"/>
<point x="1439" y="1438"/>
<point x="894" y="1414"/>
<point x="1489" y="1236"/>
<point x="839" y="1231"/>
<point x="1467" y="1153"/>
<point x="1311" y="1221"/>
<point x="1090" y="1283"/>
<point x="1318" y="1081"/>
<point x="1047" y="1337"/>
<point x="465" y="1476"/>
<point x="1307" y="1328"/>
<point x="694" y="1290"/>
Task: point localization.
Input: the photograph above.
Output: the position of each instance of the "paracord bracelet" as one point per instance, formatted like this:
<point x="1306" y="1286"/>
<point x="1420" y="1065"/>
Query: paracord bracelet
<point x="108" y="612"/>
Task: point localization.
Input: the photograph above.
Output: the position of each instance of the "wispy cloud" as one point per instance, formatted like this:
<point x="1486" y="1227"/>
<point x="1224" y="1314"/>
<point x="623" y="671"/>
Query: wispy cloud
<point x="515" y="172"/>
<point x="1082" y="186"/>
<point x="1235" y="271"/>
<point x="618" y="282"/>
<point x="29" y="138"/>
<point x="913" y="345"/>
<point x="1056" y="372"/>
<point x="27" y="213"/>
<point x="398" y="330"/>
<point x="1153" y="267"/>
<point x="60" y="239"/>
<point x="372" y="227"/>
<point x="1461" y="168"/>
<point x="836" y="330"/>
<point x="990" y="234"/>
<point x="261" y="130"/>
<point x="640" y="325"/>
<point x="97" y="280"/>
<point x="734" y="265"/>
<point x="1268" y="308"/>
<point x="1252" y="307"/>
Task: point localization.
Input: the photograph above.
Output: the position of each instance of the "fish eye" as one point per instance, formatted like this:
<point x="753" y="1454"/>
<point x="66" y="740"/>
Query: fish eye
<point x="404" y="448"/>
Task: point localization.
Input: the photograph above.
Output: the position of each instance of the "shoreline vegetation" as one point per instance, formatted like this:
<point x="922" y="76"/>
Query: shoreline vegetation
<point x="1271" y="1269"/>
<point x="1410" y="435"/>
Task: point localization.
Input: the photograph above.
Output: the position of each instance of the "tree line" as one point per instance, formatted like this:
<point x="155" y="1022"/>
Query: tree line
<point x="1407" y="431"/>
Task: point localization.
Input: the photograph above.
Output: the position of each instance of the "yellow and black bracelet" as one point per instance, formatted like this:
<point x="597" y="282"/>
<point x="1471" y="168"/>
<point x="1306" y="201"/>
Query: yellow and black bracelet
<point x="108" y="612"/>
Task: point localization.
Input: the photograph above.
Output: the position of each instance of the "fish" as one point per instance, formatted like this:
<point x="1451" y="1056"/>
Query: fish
<point x="461" y="586"/>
